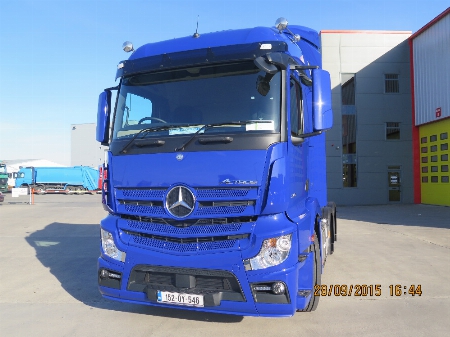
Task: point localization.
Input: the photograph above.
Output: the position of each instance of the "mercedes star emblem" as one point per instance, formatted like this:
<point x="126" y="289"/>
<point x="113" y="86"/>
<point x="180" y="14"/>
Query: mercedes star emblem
<point x="180" y="201"/>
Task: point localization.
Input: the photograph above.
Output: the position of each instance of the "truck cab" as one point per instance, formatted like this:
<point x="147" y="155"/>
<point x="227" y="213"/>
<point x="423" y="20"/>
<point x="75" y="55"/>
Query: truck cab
<point x="3" y="178"/>
<point x="25" y="177"/>
<point x="215" y="181"/>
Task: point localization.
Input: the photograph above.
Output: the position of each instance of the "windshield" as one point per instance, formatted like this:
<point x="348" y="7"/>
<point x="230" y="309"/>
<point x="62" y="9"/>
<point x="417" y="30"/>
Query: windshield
<point x="2" y="169"/>
<point x="182" y="101"/>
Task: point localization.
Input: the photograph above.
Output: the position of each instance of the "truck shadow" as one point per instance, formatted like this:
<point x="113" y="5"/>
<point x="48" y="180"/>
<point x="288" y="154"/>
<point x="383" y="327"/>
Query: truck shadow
<point x="70" y="252"/>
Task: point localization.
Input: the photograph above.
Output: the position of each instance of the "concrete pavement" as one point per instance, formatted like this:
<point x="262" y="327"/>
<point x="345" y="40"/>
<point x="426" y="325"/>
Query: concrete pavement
<point x="49" y="285"/>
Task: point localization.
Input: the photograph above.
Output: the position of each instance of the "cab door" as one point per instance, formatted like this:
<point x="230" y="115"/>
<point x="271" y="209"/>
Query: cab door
<point x="297" y="153"/>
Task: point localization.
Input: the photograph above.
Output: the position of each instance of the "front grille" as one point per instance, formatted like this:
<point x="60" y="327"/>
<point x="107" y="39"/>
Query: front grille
<point x="190" y="244"/>
<point x="213" y="193"/>
<point x="215" y="285"/>
<point x="143" y="209"/>
<point x="210" y="202"/>
<point x="191" y="230"/>
<point x="153" y="209"/>
<point x="143" y="193"/>
<point x="200" y="235"/>
<point x="215" y="210"/>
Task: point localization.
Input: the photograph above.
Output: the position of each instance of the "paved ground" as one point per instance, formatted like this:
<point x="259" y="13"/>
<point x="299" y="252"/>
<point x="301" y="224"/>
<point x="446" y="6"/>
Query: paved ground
<point x="48" y="284"/>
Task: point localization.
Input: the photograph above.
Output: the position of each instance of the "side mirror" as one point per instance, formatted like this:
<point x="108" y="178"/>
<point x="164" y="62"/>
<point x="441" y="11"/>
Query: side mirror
<point x="322" y="112"/>
<point x="103" y="116"/>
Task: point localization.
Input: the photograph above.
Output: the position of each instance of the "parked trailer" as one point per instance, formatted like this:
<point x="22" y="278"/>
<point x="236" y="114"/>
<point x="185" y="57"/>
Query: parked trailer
<point x="69" y="180"/>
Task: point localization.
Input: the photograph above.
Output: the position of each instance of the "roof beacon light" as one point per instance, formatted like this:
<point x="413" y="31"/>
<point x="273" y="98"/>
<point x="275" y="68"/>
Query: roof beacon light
<point x="127" y="47"/>
<point x="281" y="24"/>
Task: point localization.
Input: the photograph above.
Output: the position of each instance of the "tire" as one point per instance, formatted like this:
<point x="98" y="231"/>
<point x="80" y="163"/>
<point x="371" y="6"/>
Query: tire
<point x="333" y="233"/>
<point x="39" y="189"/>
<point x="317" y="277"/>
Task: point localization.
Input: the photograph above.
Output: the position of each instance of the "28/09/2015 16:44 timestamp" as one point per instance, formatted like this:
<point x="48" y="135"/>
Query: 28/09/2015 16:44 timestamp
<point x="365" y="290"/>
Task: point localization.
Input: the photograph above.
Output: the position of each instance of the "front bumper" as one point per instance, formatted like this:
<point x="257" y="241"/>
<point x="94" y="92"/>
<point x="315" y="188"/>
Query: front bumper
<point x="219" y="277"/>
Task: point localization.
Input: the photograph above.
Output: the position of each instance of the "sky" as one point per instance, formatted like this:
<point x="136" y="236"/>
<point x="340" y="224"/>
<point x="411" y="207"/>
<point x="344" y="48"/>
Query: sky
<point x="56" y="56"/>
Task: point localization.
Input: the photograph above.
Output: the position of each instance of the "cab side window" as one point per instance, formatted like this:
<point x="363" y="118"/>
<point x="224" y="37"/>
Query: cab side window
<point x="296" y="109"/>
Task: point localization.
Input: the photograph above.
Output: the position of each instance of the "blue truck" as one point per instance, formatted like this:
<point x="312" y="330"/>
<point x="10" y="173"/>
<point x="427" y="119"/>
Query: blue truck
<point x="215" y="177"/>
<point x="68" y="180"/>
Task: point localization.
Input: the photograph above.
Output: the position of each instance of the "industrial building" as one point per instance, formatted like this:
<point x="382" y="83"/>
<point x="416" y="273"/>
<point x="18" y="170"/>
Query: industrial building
<point x="369" y="156"/>
<point x="430" y="55"/>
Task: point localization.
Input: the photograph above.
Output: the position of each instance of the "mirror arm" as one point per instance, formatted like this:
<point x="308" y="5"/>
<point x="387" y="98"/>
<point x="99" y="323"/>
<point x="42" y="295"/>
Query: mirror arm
<point x="305" y="79"/>
<point x="112" y="88"/>
<point x="299" y="67"/>
<point x="298" y="140"/>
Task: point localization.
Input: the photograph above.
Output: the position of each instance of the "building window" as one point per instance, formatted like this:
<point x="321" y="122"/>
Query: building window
<point x="392" y="130"/>
<point x="349" y="154"/>
<point x="391" y="84"/>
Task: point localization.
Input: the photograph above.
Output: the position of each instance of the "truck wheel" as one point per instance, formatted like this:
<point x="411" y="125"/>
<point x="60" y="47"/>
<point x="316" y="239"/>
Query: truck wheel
<point x="40" y="189"/>
<point x="317" y="276"/>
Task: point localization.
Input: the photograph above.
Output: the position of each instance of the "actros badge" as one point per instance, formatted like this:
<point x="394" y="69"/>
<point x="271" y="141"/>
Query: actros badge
<point x="239" y="182"/>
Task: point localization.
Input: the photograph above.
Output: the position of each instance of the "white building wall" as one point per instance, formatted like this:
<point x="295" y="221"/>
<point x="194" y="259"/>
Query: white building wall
<point x="85" y="150"/>
<point x="431" y="54"/>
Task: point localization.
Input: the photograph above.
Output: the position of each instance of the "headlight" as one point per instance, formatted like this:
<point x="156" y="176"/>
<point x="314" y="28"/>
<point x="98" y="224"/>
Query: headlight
<point x="273" y="252"/>
<point x="109" y="247"/>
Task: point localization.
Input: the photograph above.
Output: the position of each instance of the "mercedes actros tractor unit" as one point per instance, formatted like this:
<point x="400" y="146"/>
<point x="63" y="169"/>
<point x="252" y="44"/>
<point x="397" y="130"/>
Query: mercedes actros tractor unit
<point x="215" y="176"/>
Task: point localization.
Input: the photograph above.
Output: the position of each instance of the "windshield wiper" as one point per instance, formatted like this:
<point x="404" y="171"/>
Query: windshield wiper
<point x="143" y="132"/>
<point x="211" y="125"/>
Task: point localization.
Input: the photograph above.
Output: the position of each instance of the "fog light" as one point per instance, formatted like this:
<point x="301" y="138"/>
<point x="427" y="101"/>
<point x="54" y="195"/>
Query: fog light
<point x="104" y="273"/>
<point x="262" y="288"/>
<point x="113" y="275"/>
<point x="278" y="288"/>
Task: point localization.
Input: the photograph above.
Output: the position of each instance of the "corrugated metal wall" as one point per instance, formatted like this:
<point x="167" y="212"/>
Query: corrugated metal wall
<point x="431" y="50"/>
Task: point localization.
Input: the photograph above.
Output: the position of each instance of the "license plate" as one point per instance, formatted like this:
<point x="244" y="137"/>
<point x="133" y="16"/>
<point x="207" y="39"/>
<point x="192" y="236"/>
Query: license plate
<point x="180" y="299"/>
